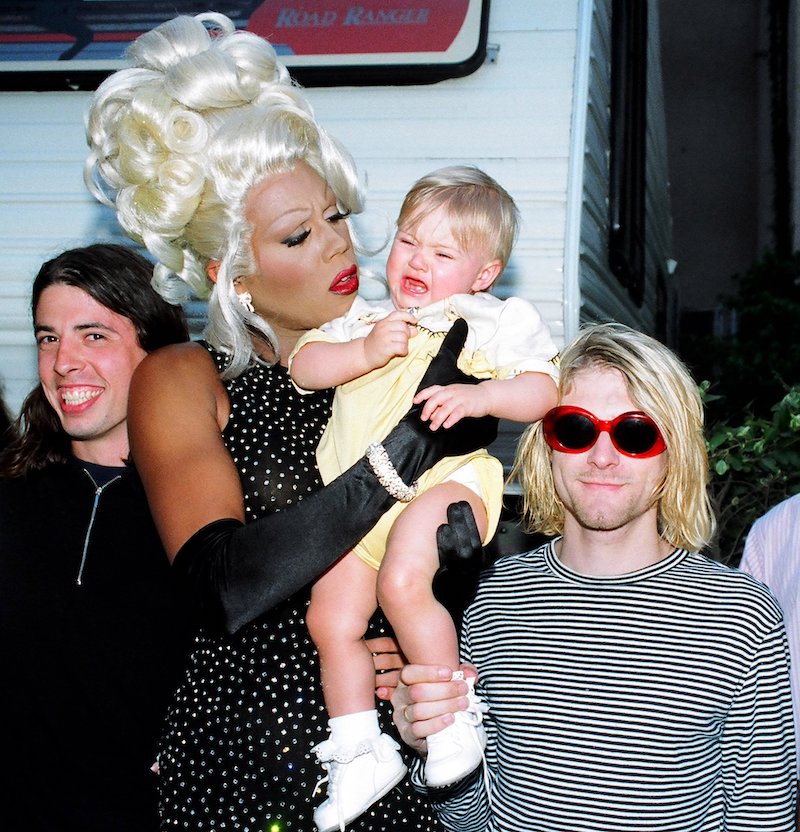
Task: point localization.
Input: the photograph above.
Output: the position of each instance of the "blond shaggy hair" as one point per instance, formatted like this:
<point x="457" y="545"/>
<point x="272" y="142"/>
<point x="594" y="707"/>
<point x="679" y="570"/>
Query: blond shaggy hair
<point x="660" y="385"/>
<point x="481" y="212"/>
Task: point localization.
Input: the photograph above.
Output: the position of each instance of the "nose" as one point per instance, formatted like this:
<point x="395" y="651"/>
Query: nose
<point x="417" y="261"/>
<point x="603" y="454"/>
<point x="67" y="358"/>
<point x="337" y="239"/>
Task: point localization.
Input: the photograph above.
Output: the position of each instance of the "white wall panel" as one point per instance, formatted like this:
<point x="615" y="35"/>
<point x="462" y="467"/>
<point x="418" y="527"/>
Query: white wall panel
<point x="511" y="117"/>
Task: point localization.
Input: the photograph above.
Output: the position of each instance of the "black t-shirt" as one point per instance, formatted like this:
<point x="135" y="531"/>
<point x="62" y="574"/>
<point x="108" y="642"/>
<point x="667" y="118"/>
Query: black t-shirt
<point x="87" y="668"/>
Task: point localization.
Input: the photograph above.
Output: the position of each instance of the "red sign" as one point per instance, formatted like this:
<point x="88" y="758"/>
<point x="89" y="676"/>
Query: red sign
<point x="343" y="27"/>
<point x="323" y="42"/>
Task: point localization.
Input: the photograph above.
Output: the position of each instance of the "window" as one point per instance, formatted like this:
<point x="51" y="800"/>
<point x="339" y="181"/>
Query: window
<point x="626" y="244"/>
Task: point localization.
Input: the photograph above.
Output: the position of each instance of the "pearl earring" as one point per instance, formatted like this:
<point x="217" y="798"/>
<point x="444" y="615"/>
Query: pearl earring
<point x="246" y="299"/>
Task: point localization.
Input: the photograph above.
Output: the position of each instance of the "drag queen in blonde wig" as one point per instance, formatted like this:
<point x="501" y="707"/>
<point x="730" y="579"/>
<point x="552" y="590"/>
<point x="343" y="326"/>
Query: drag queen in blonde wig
<point x="204" y="147"/>
<point x="177" y="141"/>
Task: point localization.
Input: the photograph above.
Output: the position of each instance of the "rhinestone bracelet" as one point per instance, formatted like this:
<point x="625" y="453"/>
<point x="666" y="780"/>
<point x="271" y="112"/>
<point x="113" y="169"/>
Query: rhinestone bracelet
<point x="387" y="475"/>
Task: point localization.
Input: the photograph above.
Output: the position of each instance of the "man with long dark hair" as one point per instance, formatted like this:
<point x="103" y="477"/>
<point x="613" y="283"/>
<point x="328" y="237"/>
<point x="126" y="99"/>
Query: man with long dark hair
<point x="92" y="633"/>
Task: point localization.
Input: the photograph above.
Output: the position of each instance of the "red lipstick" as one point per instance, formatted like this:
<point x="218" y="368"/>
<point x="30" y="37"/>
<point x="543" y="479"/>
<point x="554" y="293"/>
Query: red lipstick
<point x="346" y="282"/>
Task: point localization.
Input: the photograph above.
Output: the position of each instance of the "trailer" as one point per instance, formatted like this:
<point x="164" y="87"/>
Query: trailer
<point x="560" y="100"/>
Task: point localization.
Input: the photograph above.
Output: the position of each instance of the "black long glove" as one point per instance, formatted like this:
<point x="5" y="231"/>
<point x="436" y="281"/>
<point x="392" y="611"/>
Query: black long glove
<point x="461" y="559"/>
<point x="237" y="572"/>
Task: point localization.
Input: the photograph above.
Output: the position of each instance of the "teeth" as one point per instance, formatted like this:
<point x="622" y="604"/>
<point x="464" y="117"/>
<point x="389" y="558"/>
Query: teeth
<point x="415" y="287"/>
<point x="78" y="396"/>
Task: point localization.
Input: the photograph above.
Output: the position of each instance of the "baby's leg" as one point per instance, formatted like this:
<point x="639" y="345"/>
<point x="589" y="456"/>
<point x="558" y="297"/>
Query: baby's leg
<point x="360" y="762"/>
<point x="342" y="602"/>
<point x="423" y="627"/>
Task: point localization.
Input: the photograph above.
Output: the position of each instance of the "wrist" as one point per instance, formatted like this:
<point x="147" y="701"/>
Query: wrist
<point x="387" y="475"/>
<point x="487" y="393"/>
<point x="370" y="360"/>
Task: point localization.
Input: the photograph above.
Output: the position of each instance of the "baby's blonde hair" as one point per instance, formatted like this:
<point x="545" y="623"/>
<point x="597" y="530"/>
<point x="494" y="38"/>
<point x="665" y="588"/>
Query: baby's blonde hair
<point x="482" y="213"/>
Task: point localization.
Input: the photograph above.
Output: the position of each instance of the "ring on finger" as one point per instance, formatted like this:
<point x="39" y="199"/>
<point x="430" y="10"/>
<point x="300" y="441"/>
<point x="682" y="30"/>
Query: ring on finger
<point x="405" y="713"/>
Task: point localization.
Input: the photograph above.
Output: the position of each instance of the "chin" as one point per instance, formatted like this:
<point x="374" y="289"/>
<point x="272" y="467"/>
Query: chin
<point x="602" y="522"/>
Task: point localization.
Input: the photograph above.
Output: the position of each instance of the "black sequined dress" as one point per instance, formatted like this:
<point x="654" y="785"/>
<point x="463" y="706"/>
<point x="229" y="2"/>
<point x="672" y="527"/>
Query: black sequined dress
<point x="236" y="749"/>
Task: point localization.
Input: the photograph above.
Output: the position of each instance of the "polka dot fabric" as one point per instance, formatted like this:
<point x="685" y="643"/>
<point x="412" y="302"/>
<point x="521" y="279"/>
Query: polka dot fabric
<point x="236" y="749"/>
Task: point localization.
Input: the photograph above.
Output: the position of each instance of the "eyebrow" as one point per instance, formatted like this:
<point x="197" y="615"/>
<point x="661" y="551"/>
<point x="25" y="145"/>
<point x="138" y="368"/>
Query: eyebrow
<point x="440" y="244"/>
<point x="290" y="212"/>
<point x="286" y="222"/>
<point x="78" y="328"/>
<point x="309" y="208"/>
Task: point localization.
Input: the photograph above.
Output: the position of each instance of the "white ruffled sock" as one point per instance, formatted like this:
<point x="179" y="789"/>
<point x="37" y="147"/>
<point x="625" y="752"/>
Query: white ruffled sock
<point x="354" y="727"/>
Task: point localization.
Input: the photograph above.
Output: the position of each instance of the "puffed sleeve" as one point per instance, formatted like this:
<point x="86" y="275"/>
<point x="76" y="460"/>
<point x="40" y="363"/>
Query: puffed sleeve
<point x="509" y="337"/>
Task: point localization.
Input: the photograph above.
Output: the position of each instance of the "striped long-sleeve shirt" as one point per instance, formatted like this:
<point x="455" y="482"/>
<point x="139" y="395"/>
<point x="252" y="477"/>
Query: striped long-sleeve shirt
<point x="657" y="700"/>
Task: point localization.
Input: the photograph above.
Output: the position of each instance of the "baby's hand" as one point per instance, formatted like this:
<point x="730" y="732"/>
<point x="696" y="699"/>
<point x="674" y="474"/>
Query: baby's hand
<point x="388" y="338"/>
<point x="444" y="406"/>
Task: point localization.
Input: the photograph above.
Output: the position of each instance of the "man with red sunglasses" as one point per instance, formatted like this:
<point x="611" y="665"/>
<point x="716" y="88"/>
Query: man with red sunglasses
<point x="631" y="682"/>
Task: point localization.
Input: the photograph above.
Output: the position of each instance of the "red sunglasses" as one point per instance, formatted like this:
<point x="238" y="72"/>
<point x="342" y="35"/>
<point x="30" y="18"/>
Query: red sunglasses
<point x="573" y="430"/>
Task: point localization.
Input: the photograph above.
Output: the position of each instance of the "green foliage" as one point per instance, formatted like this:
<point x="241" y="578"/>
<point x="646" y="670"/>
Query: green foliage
<point x="750" y="371"/>
<point x="755" y="463"/>
<point x="753" y="443"/>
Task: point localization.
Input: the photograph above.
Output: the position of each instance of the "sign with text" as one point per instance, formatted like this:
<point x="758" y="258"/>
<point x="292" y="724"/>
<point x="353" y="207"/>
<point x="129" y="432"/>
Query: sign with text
<point x="323" y="42"/>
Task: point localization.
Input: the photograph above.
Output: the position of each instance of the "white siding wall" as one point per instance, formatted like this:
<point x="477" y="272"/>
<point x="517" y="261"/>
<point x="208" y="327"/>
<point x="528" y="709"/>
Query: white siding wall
<point x="511" y="117"/>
